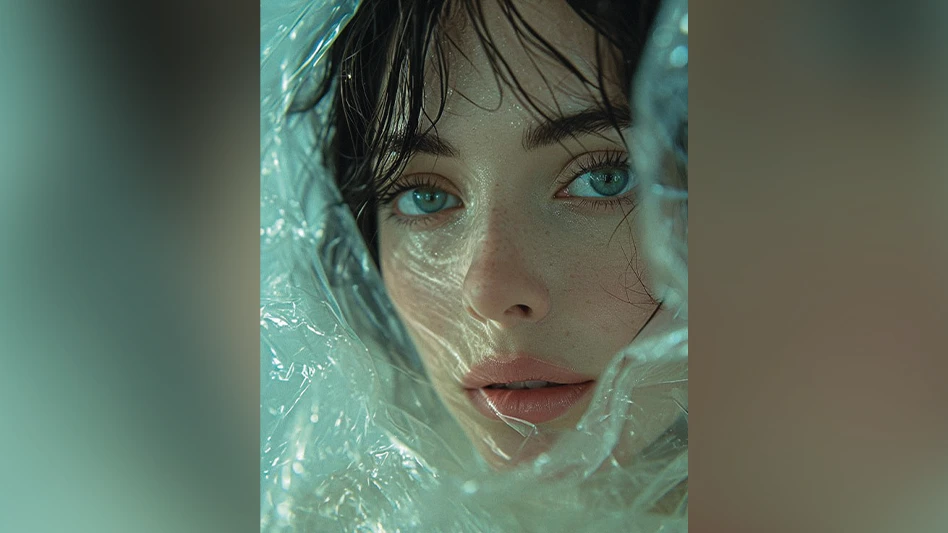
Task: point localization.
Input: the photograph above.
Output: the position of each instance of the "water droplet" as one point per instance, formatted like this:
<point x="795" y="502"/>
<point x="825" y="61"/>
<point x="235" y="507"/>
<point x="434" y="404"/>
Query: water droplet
<point x="679" y="56"/>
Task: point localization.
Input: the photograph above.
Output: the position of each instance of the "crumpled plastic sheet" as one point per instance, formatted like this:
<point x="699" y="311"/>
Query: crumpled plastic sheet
<point x="353" y="434"/>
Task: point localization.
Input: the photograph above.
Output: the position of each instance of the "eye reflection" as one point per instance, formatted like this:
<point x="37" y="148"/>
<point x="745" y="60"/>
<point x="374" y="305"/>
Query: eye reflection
<point x="422" y="201"/>
<point x="601" y="183"/>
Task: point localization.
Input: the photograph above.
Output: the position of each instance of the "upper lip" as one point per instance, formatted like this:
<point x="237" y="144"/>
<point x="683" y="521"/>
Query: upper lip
<point x="518" y="367"/>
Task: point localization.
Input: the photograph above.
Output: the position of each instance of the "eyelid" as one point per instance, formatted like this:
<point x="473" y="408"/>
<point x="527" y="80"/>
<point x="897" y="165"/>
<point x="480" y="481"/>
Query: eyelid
<point x="404" y="194"/>
<point x="403" y="184"/>
<point x="587" y="162"/>
<point x="414" y="181"/>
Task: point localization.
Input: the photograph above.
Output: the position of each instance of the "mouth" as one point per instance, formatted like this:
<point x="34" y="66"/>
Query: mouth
<point x="524" y="388"/>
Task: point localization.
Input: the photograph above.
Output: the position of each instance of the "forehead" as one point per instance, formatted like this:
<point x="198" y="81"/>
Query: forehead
<point x="543" y="49"/>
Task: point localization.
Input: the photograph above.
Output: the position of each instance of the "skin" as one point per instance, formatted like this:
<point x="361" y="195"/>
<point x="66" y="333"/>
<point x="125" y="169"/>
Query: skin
<point x="520" y="264"/>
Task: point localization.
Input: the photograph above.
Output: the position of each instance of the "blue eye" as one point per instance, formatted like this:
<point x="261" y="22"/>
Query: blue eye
<point x="602" y="182"/>
<point x="422" y="201"/>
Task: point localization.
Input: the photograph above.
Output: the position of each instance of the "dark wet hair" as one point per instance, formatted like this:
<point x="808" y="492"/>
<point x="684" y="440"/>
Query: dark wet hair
<point x="406" y="38"/>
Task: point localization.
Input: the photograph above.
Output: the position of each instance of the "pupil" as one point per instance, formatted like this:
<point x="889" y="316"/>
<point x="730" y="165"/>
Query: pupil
<point x="610" y="183"/>
<point x="429" y="200"/>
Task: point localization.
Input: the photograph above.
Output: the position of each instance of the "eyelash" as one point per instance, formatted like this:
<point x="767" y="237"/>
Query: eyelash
<point x="592" y="162"/>
<point x="389" y="195"/>
<point x="597" y="161"/>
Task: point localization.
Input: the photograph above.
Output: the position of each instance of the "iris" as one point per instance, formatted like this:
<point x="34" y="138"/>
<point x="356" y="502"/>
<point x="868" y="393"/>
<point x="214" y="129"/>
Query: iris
<point x="609" y="182"/>
<point x="429" y="200"/>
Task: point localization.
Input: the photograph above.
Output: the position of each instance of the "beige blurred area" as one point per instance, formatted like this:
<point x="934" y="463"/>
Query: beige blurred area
<point x="818" y="260"/>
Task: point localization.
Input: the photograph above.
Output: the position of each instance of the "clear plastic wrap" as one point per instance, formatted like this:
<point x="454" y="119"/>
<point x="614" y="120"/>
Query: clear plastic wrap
<point x="355" y="434"/>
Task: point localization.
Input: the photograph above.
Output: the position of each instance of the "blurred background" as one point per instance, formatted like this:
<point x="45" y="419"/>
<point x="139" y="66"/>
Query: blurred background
<point x="818" y="261"/>
<point x="129" y="274"/>
<point x="129" y="226"/>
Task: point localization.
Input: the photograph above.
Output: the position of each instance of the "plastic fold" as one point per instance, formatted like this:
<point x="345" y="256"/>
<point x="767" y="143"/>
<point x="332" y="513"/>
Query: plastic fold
<point x="354" y="436"/>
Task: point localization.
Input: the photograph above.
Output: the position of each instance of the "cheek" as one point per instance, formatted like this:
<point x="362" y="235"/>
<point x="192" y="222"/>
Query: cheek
<point x="606" y="284"/>
<point x="418" y="280"/>
<point x="607" y="305"/>
<point x="409" y="285"/>
<point x="427" y="298"/>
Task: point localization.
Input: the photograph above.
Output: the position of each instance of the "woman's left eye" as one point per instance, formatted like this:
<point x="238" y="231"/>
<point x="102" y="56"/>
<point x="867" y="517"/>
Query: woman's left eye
<point x="603" y="182"/>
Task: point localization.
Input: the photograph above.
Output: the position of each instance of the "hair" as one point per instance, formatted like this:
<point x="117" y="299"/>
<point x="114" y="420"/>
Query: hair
<point x="406" y="39"/>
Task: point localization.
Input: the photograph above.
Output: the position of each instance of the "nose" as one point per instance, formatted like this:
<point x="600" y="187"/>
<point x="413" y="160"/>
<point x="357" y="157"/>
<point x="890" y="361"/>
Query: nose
<point x="501" y="286"/>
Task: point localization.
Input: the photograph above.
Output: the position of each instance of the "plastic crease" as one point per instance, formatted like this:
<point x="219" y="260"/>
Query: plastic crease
<point x="353" y="436"/>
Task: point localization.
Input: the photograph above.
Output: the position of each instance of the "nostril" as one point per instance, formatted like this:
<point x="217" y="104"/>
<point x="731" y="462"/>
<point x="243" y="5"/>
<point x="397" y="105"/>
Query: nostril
<point x="521" y="310"/>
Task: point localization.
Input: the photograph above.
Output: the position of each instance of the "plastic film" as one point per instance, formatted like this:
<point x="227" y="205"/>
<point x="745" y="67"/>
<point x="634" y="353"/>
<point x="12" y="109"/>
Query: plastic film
<point x="361" y="431"/>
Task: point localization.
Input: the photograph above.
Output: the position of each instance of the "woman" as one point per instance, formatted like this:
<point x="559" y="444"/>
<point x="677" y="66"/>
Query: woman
<point x="481" y="146"/>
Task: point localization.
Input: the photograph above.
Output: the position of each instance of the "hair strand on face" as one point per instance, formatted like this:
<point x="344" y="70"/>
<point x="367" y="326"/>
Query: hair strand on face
<point x="375" y="120"/>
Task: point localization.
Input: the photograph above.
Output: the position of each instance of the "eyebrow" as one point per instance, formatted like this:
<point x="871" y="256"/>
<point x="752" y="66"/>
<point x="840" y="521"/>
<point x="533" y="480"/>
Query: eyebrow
<point x="427" y="143"/>
<point x="556" y="130"/>
<point x="590" y="121"/>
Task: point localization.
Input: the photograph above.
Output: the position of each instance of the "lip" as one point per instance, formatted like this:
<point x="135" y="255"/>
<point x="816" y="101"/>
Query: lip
<point x="530" y="405"/>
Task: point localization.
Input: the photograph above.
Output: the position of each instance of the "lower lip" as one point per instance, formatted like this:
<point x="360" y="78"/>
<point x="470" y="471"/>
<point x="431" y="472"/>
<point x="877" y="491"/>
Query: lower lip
<point x="530" y="405"/>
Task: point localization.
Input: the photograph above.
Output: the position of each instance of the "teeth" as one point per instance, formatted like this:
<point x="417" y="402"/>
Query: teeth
<point x="517" y="385"/>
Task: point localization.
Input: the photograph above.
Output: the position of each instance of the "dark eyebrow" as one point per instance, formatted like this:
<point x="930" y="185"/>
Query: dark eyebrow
<point x="590" y="121"/>
<point x="426" y="143"/>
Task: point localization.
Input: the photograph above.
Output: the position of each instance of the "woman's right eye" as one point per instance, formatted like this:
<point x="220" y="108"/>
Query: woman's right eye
<point x="424" y="201"/>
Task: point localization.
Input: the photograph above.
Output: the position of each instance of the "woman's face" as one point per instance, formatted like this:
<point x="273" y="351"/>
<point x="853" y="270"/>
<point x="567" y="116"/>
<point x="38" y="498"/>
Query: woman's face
<point x="509" y="251"/>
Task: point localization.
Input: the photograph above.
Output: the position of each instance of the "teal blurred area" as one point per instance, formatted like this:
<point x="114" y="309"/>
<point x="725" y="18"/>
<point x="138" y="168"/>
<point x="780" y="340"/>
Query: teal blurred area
<point x="128" y="216"/>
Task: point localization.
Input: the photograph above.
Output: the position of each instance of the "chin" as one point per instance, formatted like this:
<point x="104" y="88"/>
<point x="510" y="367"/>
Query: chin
<point x="506" y="445"/>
